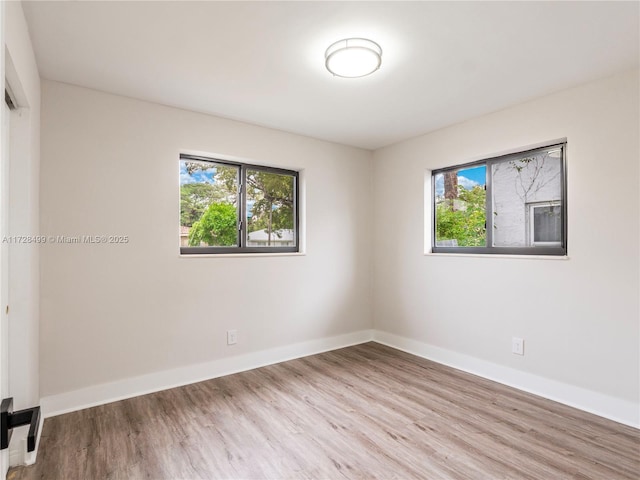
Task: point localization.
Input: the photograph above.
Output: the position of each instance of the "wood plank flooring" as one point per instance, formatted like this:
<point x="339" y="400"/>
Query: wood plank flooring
<point x="363" y="412"/>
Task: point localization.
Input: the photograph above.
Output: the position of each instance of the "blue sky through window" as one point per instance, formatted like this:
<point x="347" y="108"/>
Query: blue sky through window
<point x="478" y="174"/>
<point x="467" y="178"/>
<point x="198" y="176"/>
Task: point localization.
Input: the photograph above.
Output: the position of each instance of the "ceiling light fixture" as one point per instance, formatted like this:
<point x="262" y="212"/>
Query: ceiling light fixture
<point x="353" y="57"/>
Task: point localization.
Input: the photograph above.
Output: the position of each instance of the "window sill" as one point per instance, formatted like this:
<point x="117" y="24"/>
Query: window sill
<point x="486" y="255"/>
<point x="242" y="255"/>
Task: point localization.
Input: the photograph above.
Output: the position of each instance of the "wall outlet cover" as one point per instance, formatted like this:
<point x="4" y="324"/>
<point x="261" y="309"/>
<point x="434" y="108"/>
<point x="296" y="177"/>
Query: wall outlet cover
<point x="517" y="345"/>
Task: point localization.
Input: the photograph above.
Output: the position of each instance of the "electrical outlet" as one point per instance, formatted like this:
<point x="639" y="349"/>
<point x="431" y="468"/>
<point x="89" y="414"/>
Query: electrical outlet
<point x="517" y="345"/>
<point x="232" y="337"/>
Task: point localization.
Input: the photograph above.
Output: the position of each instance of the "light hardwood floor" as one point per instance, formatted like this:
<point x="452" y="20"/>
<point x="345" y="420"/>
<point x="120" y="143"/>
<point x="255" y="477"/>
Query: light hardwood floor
<point x="363" y="412"/>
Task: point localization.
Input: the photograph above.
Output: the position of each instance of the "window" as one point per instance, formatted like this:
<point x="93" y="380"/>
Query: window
<point x="512" y="204"/>
<point x="545" y="224"/>
<point x="228" y="207"/>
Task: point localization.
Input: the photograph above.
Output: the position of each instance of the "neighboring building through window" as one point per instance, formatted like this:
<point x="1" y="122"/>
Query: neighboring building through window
<point x="228" y="207"/>
<point x="545" y="224"/>
<point x="512" y="204"/>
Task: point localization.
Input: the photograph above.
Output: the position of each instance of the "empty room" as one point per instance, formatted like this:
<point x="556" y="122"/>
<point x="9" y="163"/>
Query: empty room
<point x="320" y="240"/>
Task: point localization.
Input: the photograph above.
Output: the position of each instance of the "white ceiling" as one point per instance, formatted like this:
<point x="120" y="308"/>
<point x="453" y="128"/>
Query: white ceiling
<point x="263" y="62"/>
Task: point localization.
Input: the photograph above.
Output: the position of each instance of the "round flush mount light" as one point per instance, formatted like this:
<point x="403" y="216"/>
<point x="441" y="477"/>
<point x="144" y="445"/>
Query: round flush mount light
<point x="353" y="57"/>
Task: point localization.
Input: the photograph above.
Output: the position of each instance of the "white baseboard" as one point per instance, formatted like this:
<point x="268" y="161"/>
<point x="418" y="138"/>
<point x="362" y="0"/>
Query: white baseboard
<point x="613" y="408"/>
<point x="132" y="387"/>
<point x="619" y="410"/>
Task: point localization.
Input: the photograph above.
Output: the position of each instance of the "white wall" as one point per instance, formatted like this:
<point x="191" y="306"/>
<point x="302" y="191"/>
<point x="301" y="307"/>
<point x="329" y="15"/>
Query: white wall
<point x="124" y="314"/>
<point x="112" y="312"/>
<point x="22" y="76"/>
<point x="579" y="317"/>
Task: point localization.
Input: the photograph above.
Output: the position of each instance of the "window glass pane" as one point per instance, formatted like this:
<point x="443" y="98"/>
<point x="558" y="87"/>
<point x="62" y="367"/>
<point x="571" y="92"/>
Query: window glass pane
<point x="517" y="182"/>
<point x="547" y="224"/>
<point x="270" y="209"/>
<point x="461" y="207"/>
<point x="208" y="204"/>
